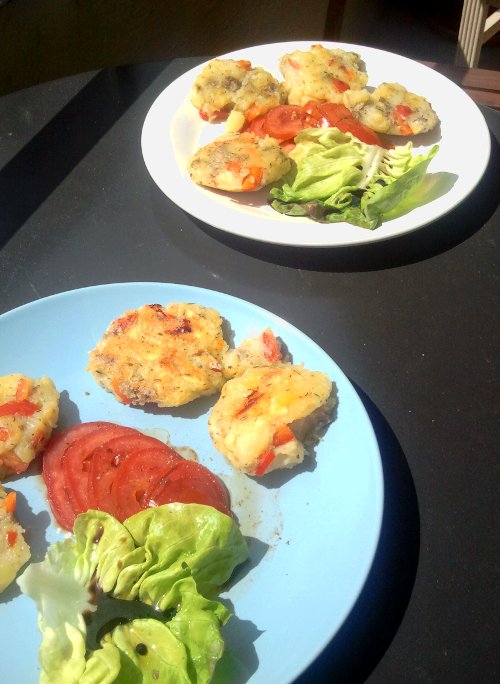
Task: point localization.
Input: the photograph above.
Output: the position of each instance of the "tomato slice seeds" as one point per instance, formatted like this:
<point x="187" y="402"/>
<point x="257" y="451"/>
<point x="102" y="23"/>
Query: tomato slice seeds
<point x="105" y="461"/>
<point x="53" y="474"/>
<point x="77" y="462"/>
<point x="138" y="473"/>
<point x="189" y="482"/>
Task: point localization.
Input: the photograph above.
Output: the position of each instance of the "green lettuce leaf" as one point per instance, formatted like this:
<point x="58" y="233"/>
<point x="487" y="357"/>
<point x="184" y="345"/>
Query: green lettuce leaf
<point x="174" y="558"/>
<point x="337" y="178"/>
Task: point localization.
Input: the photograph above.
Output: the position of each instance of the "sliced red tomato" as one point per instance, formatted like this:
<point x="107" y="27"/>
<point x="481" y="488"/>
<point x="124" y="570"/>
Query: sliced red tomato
<point x="107" y="459"/>
<point x="189" y="482"/>
<point x="113" y="468"/>
<point x="333" y="113"/>
<point x="359" y="131"/>
<point x="256" y="126"/>
<point x="76" y="461"/>
<point x="287" y="146"/>
<point x="285" y="121"/>
<point x="53" y="475"/>
<point x="313" y="109"/>
<point x="140" y="471"/>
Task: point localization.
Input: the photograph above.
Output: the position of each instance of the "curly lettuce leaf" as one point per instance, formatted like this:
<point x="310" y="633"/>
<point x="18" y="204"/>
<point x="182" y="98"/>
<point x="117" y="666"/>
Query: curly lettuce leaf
<point x="337" y="178"/>
<point x="172" y="557"/>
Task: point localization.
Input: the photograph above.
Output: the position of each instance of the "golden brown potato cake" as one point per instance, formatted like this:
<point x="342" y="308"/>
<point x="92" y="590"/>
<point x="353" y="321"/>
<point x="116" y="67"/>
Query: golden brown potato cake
<point x="29" y="410"/>
<point x="164" y="355"/>
<point x="235" y="88"/>
<point x="239" y="162"/>
<point x="14" y="552"/>
<point x="262" y="350"/>
<point x="321" y="74"/>
<point x="392" y="109"/>
<point x="265" y="416"/>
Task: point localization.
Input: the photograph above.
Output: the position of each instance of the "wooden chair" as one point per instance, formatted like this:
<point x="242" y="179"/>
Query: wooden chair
<point x="477" y="26"/>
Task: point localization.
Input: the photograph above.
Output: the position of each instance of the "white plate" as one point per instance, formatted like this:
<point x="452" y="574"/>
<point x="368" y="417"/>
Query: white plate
<point x="173" y="131"/>
<point x="313" y="531"/>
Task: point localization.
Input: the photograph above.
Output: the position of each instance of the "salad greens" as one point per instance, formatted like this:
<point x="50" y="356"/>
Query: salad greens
<point x="157" y="574"/>
<point x="336" y="177"/>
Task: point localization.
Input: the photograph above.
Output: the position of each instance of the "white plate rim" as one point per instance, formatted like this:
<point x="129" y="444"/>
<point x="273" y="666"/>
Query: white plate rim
<point x="165" y="156"/>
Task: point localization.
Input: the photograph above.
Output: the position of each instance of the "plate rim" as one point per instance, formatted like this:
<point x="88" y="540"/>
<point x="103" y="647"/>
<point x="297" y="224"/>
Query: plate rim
<point x="226" y="220"/>
<point x="376" y="463"/>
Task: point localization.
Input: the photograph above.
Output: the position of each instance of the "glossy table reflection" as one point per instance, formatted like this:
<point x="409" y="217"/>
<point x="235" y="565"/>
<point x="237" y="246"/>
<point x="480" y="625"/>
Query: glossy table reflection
<point x="413" y="322"/>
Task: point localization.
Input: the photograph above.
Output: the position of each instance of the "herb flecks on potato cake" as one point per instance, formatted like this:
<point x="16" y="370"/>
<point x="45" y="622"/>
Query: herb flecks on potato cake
<point x="164" y="355"/>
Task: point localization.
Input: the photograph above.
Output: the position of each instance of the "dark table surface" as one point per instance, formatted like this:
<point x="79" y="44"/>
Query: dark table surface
<point x="413" y="322"/>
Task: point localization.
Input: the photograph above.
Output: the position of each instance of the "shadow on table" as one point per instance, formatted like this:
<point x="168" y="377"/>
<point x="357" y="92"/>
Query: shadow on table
<point x="437" y="237"/>
<point x="375" y="618"/>
<point x="36" y="171"/>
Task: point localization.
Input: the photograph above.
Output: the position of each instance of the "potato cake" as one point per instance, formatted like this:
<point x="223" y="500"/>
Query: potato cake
<point x="14" y="552"/>
<point x="260" y="351"/>
<point x="228" y="87"/>
<point x="392" y="109"/>
<point x="29" y="410"/>
<point x="164" y="355"/>
<point x="265" y="417"/>
<point x="239" y="162"/>
<point x="321" y="74"/>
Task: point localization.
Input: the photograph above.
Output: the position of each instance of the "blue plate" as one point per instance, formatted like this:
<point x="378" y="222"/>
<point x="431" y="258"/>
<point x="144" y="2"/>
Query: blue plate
<point x="312" y="531"/>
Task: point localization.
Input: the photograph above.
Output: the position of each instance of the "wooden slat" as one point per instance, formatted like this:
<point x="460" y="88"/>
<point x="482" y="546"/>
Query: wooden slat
<point x="483" y="85"/>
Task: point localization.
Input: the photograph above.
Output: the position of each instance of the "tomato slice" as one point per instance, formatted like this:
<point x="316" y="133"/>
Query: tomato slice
<point x="256" y="126"/>
<point x="77" y="458"/>
<point x="333" y="112"/>
<point x="140" y="471"/>
<point x="285" y="121"/>
<point x="53" y="475"/>
<point x="115" y="468"/>
<point x="359" y="131"/>
<point x="107" y="459"/>
<point x="313" y="109"/>
<point x="189" y="482"/>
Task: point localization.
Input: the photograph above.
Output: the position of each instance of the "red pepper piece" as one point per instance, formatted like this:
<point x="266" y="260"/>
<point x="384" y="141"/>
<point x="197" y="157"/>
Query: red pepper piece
<point x="272" y="350"/>
<point x="23" y="389"/>
<point x="9" y="503"/>
<point x="283" y="435"/>
<point x="340" y="86"/>
<point x="18" y="408"/>
<point x="11" y="538"/>
<point x="264" y="462"/>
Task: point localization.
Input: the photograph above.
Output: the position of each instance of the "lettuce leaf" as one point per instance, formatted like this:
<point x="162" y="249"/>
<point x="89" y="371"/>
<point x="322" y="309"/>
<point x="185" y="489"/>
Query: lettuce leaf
<point x="174" y="558"/>
<point x="337" y="178"/>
